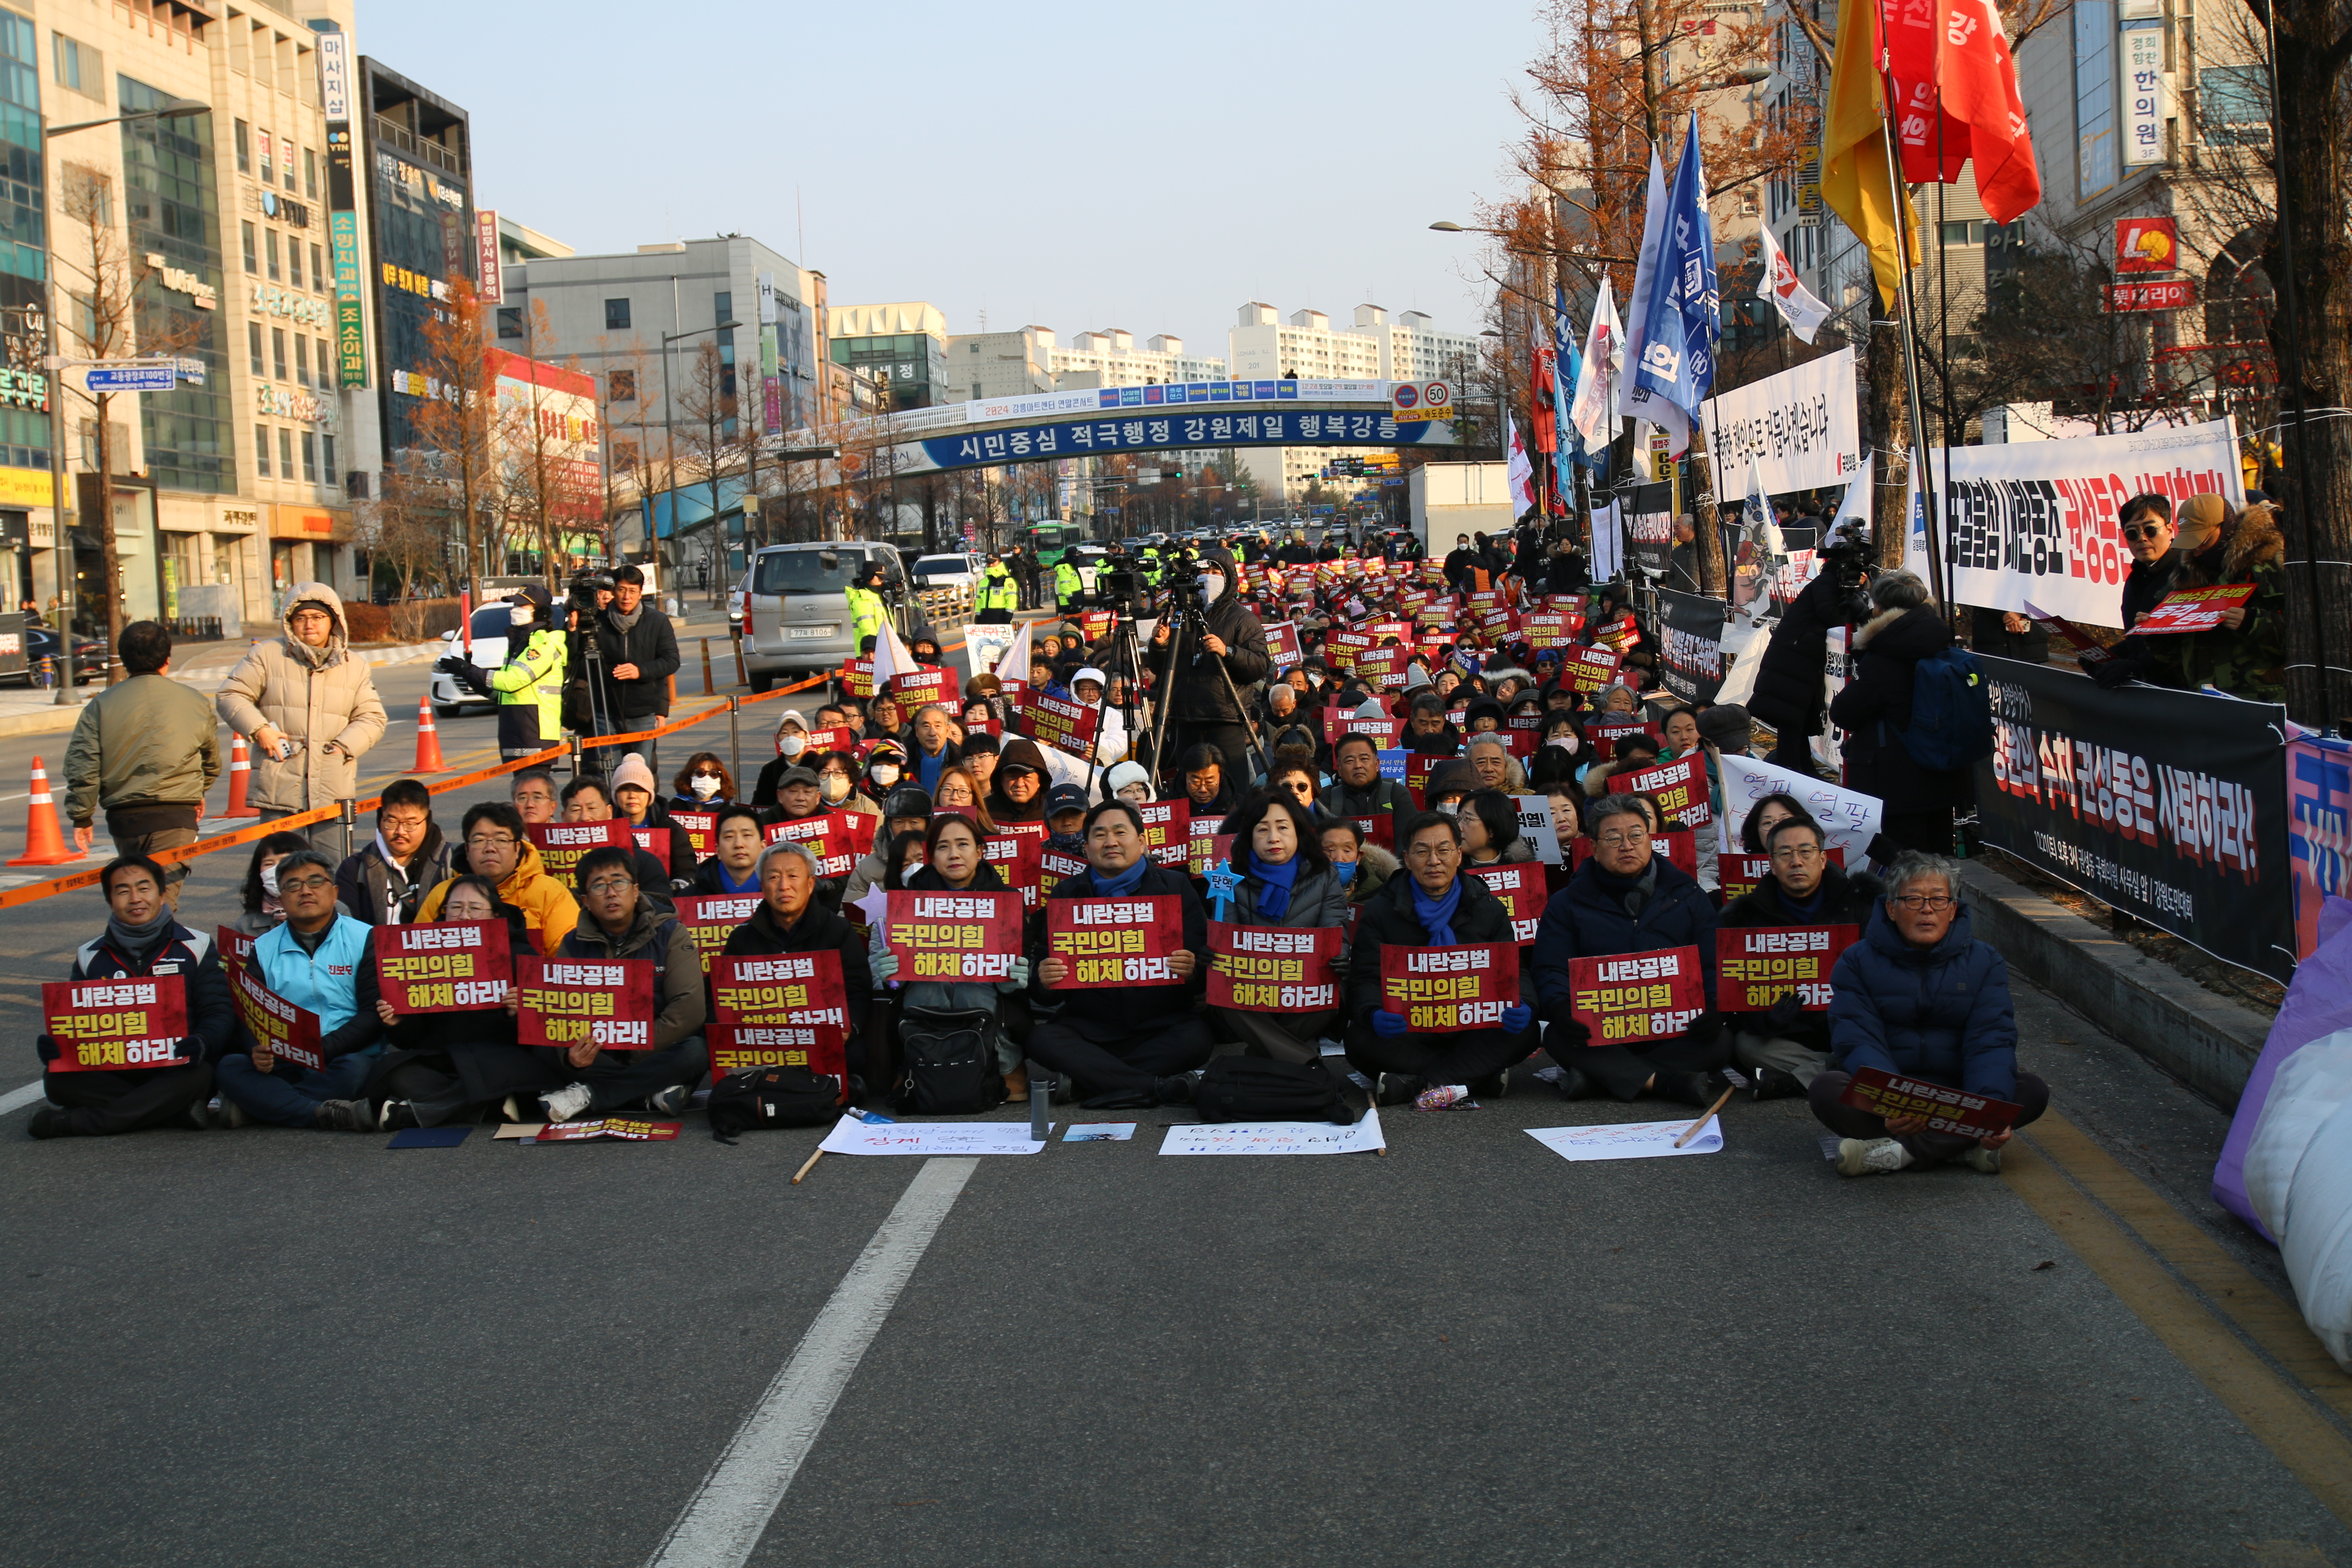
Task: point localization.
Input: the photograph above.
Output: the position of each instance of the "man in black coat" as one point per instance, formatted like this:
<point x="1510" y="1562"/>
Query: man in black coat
<point x="1788" y="683"/>
<point x="791" y="918"/>
<point x="636" y="653"/>
<point x="1205" y="705"/>
<point x="1783" y="1047"/>
<point x="1461" y="563"/>
<point x="1877" y="704"/>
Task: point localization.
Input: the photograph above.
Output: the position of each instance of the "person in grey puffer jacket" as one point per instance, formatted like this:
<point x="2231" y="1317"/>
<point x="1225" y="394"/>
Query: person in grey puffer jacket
<point x="309" y="697"/>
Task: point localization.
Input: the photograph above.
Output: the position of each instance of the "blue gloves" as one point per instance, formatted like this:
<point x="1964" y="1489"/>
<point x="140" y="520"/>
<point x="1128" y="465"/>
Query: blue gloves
<point x="1387" y="1025"/>
<point x="1518" y="1017"/>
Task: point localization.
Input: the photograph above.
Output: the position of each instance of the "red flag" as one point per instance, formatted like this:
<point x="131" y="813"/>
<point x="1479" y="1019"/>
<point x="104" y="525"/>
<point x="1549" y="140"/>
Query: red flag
<point x="1914" y="34"/>
<point x="1546" y="419"/>
<point x="1980" y="87"/>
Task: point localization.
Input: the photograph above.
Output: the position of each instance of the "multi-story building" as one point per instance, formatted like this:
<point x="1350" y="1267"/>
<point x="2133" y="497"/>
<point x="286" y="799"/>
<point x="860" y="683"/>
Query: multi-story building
<point x="1110" y="358"/>
<point x="1001" y="364"/>
<point x="1306" y="345"/>
<point x="417" y="177"/>
<point x="907" y="342"/>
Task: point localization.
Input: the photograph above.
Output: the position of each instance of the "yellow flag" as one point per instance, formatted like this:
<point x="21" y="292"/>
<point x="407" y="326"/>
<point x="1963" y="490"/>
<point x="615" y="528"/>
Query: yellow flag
<point x="1855" y="182"/>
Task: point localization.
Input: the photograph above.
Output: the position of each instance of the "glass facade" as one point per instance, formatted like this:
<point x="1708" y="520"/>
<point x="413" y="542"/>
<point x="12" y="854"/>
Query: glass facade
<point x="915" y="363"/>
<point x="421" y="244"/>
<point x="23" y="241"/>
<point x="2094" y="97"/>
<point x="172" y="209"/>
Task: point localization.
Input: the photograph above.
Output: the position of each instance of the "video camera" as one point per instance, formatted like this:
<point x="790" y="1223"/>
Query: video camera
<point x="582" y="595"/>
<point x="1847" y="557"/>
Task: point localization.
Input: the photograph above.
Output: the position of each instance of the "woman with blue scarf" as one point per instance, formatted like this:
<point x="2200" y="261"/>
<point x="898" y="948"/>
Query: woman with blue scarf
<point x="1285" y="880"/>
<point x="1434" y="904"/>
<point x="1127" y="1047"/>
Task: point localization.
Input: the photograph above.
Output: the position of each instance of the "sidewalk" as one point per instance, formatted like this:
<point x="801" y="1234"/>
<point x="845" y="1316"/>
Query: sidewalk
<point x="35" y="711"/>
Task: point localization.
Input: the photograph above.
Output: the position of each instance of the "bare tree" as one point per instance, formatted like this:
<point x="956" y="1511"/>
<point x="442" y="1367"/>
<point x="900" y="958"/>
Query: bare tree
<point x="456" y="429"/>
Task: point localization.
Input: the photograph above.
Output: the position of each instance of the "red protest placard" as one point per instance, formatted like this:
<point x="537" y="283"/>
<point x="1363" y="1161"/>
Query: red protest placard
<point x="1737" y="874"/>
<point x="1056" y="865"/>
<point x="1019" y="859"/>
<point x="1068" y="727"/>
<point x="928" y="684"/>
<point x="1273" y="969"/>
<point x="2193" y="609"/>
<point x="572" y="1001"/>
<point x="1550" y="628"/>
<point x="236" y="947"/>
<point x="1282" y="642"/>
<point x="701" y="832"/>
<point x="785" y="1009"/>
<point x="1437" y="989"/>
<point x="2088" y="650"/>
<point x="1417" y="766"/>
<point x="1631" y="996"/>
<point x="289" y="1031"/>
<point x="107" y="1025"/>
<point x="711" y="918"/>
<point x="1338" y="721"/>
<point x="858" y="677"/>
<point x="1620" y="633"/>
<point x="625" y="1129"/>
<point x="1209" y="847"/>
<point x="1948" y="1109"/>
<point x="1679" y="788"/>
<point x="1587" y="669"/>
<point x="1342" y="649"/>
<point x="827" y="835"/>
<point x="832" y="737"/>
<point x="561" y="844"/>
<point x="1029" y="832"/>
<point x="1110" y="942"/>
<point x="1383" y="669"/>
<point x="1521" y="887"/>
<point x="1383" y="630"/>
<point x="1495" y="622"/>
<point x="446" y="968"/>
<point x="1604" y="736"/>
<point x="1168" y="831"/>
<point x="1678" y="846"/>
<point x="1755" y="966"/>
<point x="947" y="936"/>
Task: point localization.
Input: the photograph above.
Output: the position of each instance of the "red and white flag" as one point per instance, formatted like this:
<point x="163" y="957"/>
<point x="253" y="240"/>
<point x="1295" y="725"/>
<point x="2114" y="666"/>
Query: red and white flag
<point x="1779" y="283"/>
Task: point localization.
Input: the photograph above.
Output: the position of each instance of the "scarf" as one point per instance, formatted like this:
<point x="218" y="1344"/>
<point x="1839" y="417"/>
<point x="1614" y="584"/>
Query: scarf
<point x="1633" y="892"/>
<point x="134" y="942"/>
<point x="1806" y="911"/>
<point x="1275" y="885"/>
<point x="628" y="623"/>
<point x="728" y="884"/>
<point x="1437" y="914"/>
<point x="1124" y="883"/>
<point x="930" y="767"/>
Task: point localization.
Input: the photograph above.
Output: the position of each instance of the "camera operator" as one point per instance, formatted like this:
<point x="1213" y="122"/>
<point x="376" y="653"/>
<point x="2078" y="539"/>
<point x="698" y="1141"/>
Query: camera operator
<point x="626" y="652"/>
<point x="1789" y="682"/>
<point x="1225" y="653"/>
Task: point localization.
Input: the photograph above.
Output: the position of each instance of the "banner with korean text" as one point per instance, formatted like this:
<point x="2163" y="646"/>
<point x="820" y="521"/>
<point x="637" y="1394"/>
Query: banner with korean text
<point x="785" y="1009"/>
<point x="1629" y="997"/>
<point x="946" y="937"/>
<point x="711" y="918"/>
<point x="1800" y="427"/>
<point x="561" y="844"/>
<point x="573" y="1001"/>
<point x="451" y="967"/>
<point x="1437" y="990"/>
<point x="1755" y="966"/>
<point x="1110" y="942"/>
<point x="1273" y="969"/>
<point x="106" y="1025"/>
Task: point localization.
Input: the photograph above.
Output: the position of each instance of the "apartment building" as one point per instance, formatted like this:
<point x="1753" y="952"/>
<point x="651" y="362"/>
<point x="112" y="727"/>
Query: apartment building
<point x="1263" y="343"/>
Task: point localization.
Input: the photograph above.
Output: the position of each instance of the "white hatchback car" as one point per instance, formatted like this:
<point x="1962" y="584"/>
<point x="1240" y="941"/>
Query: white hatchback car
<point x="961" y="570"/>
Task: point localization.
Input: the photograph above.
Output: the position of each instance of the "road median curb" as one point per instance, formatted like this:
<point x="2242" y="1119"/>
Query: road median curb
<point x="2205" y="1040"/>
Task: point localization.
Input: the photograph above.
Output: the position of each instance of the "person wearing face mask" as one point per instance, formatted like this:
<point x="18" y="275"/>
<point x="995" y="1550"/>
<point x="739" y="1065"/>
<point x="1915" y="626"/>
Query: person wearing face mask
<point x="1285" y="880"/>
<point x="703" y="784"/>
<point x="885" y="764"/>
<point x="791" y="751"/>
<point x="1017" y="792"/>
<point x="1205" y="704"/>
<point x="907" y="809"/>
<point x="528" y="687"/>
<point x="1362" y="867"/>
<point x="836" y="786"/>
<point x="262" y="910"/>
<point x="633" y="801"/>
<point x="1451" y="783"/>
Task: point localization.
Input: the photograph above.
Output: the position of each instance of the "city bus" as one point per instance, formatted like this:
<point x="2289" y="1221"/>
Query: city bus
<point x="1053" y="538"/>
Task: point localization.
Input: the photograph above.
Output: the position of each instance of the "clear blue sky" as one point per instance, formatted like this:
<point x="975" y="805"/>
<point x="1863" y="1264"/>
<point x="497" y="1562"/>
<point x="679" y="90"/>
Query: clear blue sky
<point x="1149" y="167"/>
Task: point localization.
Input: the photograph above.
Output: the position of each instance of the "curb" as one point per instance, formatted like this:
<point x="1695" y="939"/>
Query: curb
<point x="2207" y="1041"/>
<point x="51" y="721"/>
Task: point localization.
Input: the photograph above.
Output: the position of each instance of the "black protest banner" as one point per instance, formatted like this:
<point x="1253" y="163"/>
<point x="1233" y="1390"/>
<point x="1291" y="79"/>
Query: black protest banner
<point x="1651" y="519"/>
<point x="2169" y="806"/>
<point x="1692" y="644"/>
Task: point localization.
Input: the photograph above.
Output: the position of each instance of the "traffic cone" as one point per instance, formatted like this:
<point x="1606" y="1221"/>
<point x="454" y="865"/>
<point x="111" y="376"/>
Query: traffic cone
<point x="428" y="740"/>
<point x="44" y="844"/>
<point x="240" y="775"/>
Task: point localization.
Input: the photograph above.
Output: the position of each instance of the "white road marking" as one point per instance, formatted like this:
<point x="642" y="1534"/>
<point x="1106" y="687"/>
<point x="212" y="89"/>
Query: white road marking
<point x="18" y="1099"/>
<point x="723" y="1521"/>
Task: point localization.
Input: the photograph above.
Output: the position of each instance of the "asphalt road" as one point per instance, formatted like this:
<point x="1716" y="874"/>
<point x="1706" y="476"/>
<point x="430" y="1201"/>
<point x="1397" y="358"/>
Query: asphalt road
<point x="270" y="1347"/>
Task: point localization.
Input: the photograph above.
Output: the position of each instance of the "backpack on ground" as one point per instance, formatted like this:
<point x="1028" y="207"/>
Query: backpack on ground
<point x="1951" y="712"/>
<point x="771" y="1097"/>
<point x="951" y="1062"/>
<point x="1260" y="1089"/>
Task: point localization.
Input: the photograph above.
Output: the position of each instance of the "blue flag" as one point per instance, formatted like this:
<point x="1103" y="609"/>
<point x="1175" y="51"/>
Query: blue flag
<point x="1679" y="339"/>
<point x="1569" y="369"/>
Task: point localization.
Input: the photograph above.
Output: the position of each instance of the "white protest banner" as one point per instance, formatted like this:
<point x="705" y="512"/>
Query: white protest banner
<point x="1608" y="543"/>
<point x="1275" y="1137"/>
<point x="2036" y="520"/>
<point x="1798" y="426"/>
<point x="983" y="646"/>
<point x="1536" y="830"/>
<point x="1851" y="818"/>
<point x="1628" y="1139"/>
<point x="851" y="1136"/>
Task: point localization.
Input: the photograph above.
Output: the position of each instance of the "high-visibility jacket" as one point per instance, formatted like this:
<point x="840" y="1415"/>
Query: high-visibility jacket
<point x="529" y="691"/>
<point x="1150" y="567"/>
<point x="866" y="614"/>
<point x="997" y="590"/>
<point x="1067" y="583"/>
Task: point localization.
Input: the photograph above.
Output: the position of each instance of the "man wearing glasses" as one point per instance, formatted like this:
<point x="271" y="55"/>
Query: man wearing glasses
<point x="495" y="848"/>
<point x="313" y="961"/>
<point x="623" y="923"/>
<point x="383" y="883"/>
<point x="1784" y="1046"/>
<point x="1919" y="996"/>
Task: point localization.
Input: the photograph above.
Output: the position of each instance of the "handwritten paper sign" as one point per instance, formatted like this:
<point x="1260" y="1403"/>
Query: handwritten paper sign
<point x="572" y="1001"/>
<point x="944" y="936"/>
<point x="1628" y="1139"/>
<point x="1110" y="942"/>
<point x="1066" y="726"/>
<point x="289" y="1031"/>
<point x="561" y="844"/>
<point x="786" y="1009"/>
<point x="1632" y="997"/>
<point x="1849" y="819"/>
<point x="711" y="918"/>
<point x="1273" y="969"/>
<point x="1364" y="1137"/>
<point x="1437" y="989"/>
<point x="446" y="968"/>
<point x="1755" y="966"/>
<point x="107" y="1025"/>
<point x="851" y="1136"/>
<point x="2193" y="609"/>
<point x="1948" y="1109"/>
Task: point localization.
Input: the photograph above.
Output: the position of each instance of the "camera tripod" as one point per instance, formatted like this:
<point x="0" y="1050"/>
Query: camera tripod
<point x="1184" y="622"/>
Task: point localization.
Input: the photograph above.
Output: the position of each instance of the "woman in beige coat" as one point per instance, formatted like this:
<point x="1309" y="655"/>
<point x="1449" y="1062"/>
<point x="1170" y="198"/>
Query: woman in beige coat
<point x="308" y="692"/>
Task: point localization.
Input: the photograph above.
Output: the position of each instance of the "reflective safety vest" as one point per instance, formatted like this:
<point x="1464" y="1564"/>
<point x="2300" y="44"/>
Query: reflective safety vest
<point x="1067" y="583"/>
<point x="534" y="677"/>
<point x="866" y="614"/>
<point x="997" y="591"/>
<point x="1150" y="568"/>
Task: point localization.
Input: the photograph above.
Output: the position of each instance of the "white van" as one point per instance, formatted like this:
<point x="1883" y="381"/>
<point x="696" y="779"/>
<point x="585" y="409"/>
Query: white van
<point x="796" y="606"/>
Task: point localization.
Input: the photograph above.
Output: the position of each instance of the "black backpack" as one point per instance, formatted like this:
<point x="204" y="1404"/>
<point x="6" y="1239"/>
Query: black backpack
<point x="771" y="1097"/>
<point x="1260" y="1089"/>
<point x="950" y="1063"/>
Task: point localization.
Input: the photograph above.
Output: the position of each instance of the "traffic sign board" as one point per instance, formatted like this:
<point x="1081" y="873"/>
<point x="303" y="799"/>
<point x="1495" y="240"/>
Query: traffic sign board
<point x="133" y="378"/>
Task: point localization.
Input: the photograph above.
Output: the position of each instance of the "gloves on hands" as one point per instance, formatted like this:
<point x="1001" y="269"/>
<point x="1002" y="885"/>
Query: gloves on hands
<point x="465" y="672"/>
<point x="1562" y="1028"/>
<point x="1018" y="980"/>
<point x="1705" y="1027"/>
<point x="1786" y="1011"/>
<point x="885" y="967"/>
<point x="1387" y="1025"/>
<point x="1518" y="1017"/>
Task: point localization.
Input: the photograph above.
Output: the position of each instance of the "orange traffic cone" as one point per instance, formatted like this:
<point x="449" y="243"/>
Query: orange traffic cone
<point x="44" y="844"/>
<point x="240" y="775"/>
<point x="428" y="740"/>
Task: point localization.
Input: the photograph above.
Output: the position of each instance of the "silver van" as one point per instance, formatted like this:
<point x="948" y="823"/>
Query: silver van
<point x="795" y="607"/>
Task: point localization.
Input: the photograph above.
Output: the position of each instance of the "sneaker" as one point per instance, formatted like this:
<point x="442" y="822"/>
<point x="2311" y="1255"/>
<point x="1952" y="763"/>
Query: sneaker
<point x="565" y="1104"/>
<point x="1572" y="1084"/>
<point x="47" y="1122"/>
<point x="345" y="1116"/>
<point x="1980" y="1158"/>
<point x="395" y="1115"/>
<point x="1494" y="1085"/>
<point x="1871" y="1156"/>
<point x="1397" y="1087"/>
<point x="1441" y="1097"/>
<point x="669" y="1102"/>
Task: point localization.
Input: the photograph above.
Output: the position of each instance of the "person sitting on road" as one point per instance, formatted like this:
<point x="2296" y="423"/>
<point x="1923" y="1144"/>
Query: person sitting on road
<point x="141" y="939"/>
<point x="952" y="861"/>
<point x="1428" y="730"/>
<point x="1625" y="899"/>
<point x="586" y="800"/>
<point x="496" y="848"/>
<point x="1363" y="867"/>
<point x="1361" y="791"/>
<point x="1918" y="995"/>
<point x="907" y="810"/>
<point x="1292" y="774"/>
<point x="960" y="790"/>
<point x="1449" y="783"/>
<point x="1285" y="880"/>
<point x="262" y="910"/>
<point x="450" y="1069"/>
<point x="623" y="923"/>
<point x="885" y="766"/>
<point x="792" y="919"/>
<point x="383" y="883"/>
<point x="1489" y="755"/>
<point x="1783" y="1047"/>
<point x="1208" y="789"/>
<point x="936" y="745"/>
<point x="635" y="803"/>
<point x="1434" y="904"/>
<point x="735" y="868"/>
<point x="1127" y="1047"/>
<point x="313" y="961"/>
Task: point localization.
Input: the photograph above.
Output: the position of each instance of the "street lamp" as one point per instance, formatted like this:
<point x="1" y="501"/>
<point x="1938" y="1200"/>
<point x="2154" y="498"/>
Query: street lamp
<point x="669" y="431"/>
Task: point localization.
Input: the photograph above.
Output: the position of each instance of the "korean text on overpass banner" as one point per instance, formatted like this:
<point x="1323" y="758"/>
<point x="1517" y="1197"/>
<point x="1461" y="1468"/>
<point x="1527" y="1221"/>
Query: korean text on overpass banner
<point x="2036" y="520"/>
<point x="2168" y="805"/>
<point x="1141" y="431"/>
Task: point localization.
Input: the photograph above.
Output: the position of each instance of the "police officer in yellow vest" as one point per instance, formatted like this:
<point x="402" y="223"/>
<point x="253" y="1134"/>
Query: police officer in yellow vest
<point x="1148" y="566"/>
<point x="1067" y="583"/>
<point x="866" y="610"/>
<point x="528" y="687"/>
<point x="998" y="596"/>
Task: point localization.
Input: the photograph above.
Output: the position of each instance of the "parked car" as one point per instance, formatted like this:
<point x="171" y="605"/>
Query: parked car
<point x="960" y="570"/>
<point x="41" y="642"/>
<point x="794" y="611"/>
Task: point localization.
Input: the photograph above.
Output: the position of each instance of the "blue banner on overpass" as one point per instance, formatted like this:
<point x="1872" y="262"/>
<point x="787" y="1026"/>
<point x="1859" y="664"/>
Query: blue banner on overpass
<point x="1144" y="432"/>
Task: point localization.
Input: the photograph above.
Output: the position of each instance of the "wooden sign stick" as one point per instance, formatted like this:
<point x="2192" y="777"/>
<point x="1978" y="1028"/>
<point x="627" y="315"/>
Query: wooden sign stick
<point x="812" y="1159"/>
<point x="1688" y="1132"/>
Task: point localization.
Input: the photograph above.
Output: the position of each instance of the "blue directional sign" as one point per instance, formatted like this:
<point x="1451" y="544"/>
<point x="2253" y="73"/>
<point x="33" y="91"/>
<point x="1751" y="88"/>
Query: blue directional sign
<point x="133" y="378"/>
<point x="1162" y="428"/>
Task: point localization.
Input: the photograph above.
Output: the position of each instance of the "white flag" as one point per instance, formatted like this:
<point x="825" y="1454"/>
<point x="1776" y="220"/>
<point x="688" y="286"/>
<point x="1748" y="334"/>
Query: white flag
<point x="1595" y="412"/>
<point x="1645" y="407"/>
<point x="891" y="657"/>
<point x="1012" y="664"/>
<point x="1777" y="282"/>
<point x="1521" y="472"/>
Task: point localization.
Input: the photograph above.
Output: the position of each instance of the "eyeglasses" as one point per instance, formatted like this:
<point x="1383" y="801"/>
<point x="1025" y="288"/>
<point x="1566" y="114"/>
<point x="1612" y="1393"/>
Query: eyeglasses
<point x="1432" y="851"/>
<point x="491" y="840"/>
<point x="403" y="821"/>
<point x="312" y="618"/>
<point x="306" y="884"/>
<point x="1926" y="901"/>
<point x="1799" y="852"/>
<point x="607" y="886"/>
<point x="1620" y="841"/>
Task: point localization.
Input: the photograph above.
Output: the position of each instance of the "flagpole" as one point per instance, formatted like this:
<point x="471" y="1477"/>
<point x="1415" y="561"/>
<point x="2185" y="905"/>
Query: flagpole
<point x="1905" y="305"/>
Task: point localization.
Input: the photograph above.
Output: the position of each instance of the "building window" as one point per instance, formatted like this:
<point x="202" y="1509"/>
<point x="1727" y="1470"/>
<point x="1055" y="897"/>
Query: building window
<point x="269" y="249"/>
<point x="261" y="450"/>
<point x="616" y="315"/>
<point x="252" y="259"/>
<point x="277" y="350"/>
<point x="302" y="359"/>
<point x="294" y="263"/>
<point x="268" y="168"/>
<point x="509" y="320"/>
<point x="322" y="360"/>
<point x="310" y="456"/>
<point x="318" y="270"/>
<point x="327" y="459"/>
<point x="286" y="454"/>
<point x="253" y="341"/>
<point x="625" y="455"/>
<point x="79" y="67"/>
<point x="2233" y="105"/>
<point x="311" y="176"/>
<point x="2094" y="97"/>
<point x="621" y="386"/>
<point x="286" y="153"/>
<point x="243" y="148"/>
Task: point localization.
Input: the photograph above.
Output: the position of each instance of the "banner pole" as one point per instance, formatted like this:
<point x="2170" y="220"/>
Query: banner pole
<point x="1931" y="515"/>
